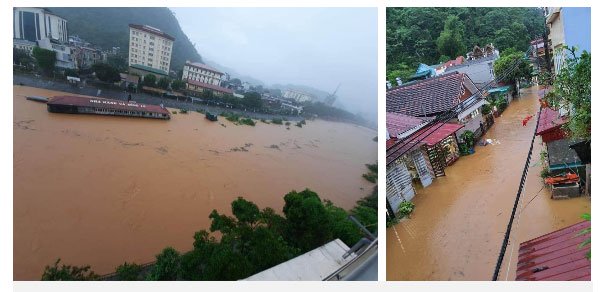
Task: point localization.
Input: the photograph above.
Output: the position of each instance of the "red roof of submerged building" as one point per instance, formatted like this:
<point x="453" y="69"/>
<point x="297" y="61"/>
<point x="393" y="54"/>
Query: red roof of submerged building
<point x="549" y="119"/>
<point x="428" y="135"/>
<point x="555" y="256"/>
<point x="106" y="103"/>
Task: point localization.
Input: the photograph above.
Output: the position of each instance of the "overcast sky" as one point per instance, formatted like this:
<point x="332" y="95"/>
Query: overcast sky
<point x="318" y="47"/>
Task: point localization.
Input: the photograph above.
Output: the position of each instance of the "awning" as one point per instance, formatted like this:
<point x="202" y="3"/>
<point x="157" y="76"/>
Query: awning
<point x="471" y="109"/>
<point x="436" y="133"/>
<point x="499" y="89"/>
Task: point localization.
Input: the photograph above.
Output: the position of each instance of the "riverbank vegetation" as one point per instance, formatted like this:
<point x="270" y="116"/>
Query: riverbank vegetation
<point x="249" y="241"/>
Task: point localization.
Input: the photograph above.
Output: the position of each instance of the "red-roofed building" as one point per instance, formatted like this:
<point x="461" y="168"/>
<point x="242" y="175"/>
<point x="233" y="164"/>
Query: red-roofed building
<point x="104" y="106"/>
<point x="201" y="77"/>
<point x="550" y="124"/>
<point x="400" y="125"/>
<point x="555" y="256"/>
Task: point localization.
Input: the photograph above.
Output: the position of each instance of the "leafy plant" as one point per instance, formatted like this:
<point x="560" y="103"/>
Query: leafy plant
<point x="405" y="209"/>
<point x="468" y="138"/>
<point x="277" y="121"/>
<point x="247" y="121"/>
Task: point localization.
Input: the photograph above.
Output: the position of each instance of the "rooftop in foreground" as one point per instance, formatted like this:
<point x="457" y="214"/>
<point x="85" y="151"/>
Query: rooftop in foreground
<point x="555" y="256"/>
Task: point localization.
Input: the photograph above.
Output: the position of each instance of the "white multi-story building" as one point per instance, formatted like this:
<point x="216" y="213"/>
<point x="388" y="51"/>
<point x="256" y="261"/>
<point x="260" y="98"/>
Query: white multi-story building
<point x="40" y="27"/>
<point x="150" y="49"/>
<point x="202" y="73"/>
<point x="36" y="24"/>
<point x="298" y="96"/>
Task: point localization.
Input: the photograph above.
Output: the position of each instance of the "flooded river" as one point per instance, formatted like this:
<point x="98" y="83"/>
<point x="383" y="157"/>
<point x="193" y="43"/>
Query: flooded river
<point x="96" y="190"/>
<point x="457" y="228"/>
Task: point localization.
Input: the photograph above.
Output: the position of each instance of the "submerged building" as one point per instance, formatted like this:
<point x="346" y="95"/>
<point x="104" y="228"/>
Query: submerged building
<point x="103" y="106"/>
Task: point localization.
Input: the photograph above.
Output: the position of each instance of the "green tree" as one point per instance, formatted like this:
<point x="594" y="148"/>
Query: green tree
<point x="45" y="59"/>
<point x="128" y="272"/>
<point x="149" y="80"/>
<point x="177" y="84"/>
<point x="451" y="39"/>
<point x="340" y="226"/>
<point x="572" y="92"/>
<point x="68" y="273"/>
<point x="307" y="219"/>
<point x="512" y="66"/>
<point x="207" y="94"/>
<point x="118" y="62"/>
<point x="163" y="82"/>
<point x="105" y="72"/>
<point x="252" y="100"/>
<point x="21" y="57"/>
<point x="167" y="267"/>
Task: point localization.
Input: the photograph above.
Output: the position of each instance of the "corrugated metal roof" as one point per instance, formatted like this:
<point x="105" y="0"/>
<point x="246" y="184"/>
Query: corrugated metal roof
<point x="427" y="97"/>
<point x="106" y="103"/>
<point x="400" y="123"/>
<point x="428" y="135"/>
<point x="149" y="69"/>
<point x="555" y="256"/>
<point x="549" y="119"/>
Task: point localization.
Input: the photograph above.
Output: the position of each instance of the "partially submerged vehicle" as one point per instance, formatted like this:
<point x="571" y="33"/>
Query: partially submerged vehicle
<point x="211" y="117"/>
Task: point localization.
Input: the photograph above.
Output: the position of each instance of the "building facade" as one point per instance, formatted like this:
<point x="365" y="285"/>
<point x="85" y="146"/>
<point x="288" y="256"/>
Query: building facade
<point x="35" y="24"/>
<point x="568" y="26"/>
<point x="150" y="47"/>
<point x="202" y="73"/>
<point x="298" y="96"/>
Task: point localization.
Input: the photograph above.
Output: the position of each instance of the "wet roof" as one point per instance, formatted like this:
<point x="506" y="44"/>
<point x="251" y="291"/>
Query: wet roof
<point x="313" y="265"/>
<point x="555" y="256"/>
<point x="428" y="135"/>
<point x="561" y="155"/>
<point x="400" y="123"/>
<point x="549" y="119"/>
<point x="153" y="30"/>
<point x="203" y="66"/>
<point x="427" y="97"/>
<point x="209" y="86"/>
<point x="105" y="103"/>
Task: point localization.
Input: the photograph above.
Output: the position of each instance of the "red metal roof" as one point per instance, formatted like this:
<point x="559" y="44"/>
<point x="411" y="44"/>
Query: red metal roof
<point x="209" y="86"/>
<point x="428" y="135"/>
<point x="427" y="97"/>
<point x="399" y="123"/>
<point x="555" y="256"/>
<point x="436" y="133"/>
<point x="152" y="30"/>
<point x="549" y="119"/>
<point x="106" y="103"/>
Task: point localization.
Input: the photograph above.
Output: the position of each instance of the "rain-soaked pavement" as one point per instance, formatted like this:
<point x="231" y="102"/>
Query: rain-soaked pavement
<point x="456" y="230"/>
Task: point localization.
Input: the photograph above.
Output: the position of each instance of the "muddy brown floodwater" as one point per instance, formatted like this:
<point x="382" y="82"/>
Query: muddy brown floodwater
<point x="96" y="190"/>
<point x="457" y="227"/>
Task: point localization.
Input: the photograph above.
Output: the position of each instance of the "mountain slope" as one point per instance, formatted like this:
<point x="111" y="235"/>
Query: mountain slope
<point x="108" y="27"/>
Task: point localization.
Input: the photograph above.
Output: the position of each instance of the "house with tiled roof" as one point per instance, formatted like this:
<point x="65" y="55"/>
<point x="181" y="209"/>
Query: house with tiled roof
<point x="438" y="95"/>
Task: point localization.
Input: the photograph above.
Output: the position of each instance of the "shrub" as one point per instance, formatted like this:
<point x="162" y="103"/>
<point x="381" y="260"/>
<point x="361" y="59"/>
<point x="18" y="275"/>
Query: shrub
<point x="277" y="121"/>
<point x="247" y="121"/>
<point x="183" y="111"/>
<point x="405" y="209"/>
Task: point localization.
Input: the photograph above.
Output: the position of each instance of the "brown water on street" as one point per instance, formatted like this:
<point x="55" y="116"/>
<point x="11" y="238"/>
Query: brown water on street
<point x="457" y="227"/>
<point x="98" y="190"/>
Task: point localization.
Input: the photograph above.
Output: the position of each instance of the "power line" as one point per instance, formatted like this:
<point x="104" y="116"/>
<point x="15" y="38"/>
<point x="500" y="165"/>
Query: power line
<point x="518" y="193"/>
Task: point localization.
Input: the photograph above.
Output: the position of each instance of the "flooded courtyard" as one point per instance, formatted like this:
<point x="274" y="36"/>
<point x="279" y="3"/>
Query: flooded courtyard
<point x="100" y="190"/>
<point x="457" y="227"/>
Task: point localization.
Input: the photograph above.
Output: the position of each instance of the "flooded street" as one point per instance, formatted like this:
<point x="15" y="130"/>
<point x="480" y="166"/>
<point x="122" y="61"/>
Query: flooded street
<point x="457" y="227"/>
<point x="96" y="190"/>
